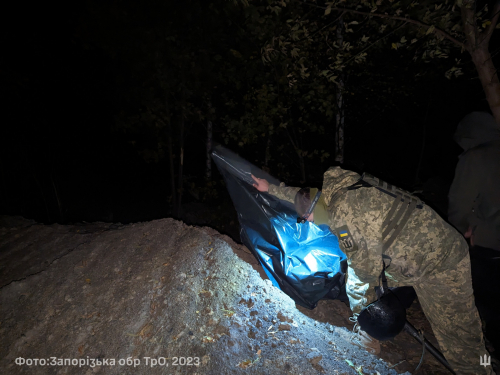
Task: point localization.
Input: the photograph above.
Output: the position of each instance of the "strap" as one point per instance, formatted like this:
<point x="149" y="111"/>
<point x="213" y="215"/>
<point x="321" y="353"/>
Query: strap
<point x="398" y="214"/>
<point x="359" y="184"/>
<point x="399" y="227"/>
<point x="304" y="217"/>
<point x="393" y="221"/>
<point x="389" y="189"/>
<point x="391" y="213"/>
<point x="406" y="217"/>
<point x="384" y="288"/>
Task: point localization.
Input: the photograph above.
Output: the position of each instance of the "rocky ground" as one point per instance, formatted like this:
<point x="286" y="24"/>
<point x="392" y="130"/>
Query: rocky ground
<point x="163" y="297"/>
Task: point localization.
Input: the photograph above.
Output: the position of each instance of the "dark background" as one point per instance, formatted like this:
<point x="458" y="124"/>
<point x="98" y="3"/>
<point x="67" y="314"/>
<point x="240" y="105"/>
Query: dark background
<point x="63" y="159"/>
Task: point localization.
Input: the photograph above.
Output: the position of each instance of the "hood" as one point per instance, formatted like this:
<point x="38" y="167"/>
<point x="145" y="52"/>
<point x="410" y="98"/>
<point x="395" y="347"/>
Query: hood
<point x="335" y="179"/>
<point x="476" y="128"/>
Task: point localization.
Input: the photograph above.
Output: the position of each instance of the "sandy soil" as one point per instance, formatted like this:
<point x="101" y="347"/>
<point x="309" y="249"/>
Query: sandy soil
<point x="163" y="297"/>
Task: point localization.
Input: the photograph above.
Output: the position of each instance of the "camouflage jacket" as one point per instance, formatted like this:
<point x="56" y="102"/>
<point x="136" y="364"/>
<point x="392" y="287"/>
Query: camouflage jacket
<point x="426" y="244"/>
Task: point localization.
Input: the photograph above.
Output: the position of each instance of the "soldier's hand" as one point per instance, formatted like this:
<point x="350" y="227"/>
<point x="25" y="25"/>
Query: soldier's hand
<point x="470" y="235"/>
<point x="261" y="184"/>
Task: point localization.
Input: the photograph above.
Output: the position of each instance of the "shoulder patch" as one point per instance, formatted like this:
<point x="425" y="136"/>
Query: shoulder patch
<point x="346" y="241"/>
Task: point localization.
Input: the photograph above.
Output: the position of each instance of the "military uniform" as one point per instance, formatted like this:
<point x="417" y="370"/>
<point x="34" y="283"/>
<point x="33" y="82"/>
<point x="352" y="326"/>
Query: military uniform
<point x="427" y="254"/>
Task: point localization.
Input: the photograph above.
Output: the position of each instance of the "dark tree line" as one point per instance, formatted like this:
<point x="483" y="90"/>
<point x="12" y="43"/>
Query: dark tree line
<point x="294" y="86"/>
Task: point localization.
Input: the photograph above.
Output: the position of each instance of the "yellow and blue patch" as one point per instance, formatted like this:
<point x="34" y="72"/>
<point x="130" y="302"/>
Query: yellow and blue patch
<point x="346" y="242"/>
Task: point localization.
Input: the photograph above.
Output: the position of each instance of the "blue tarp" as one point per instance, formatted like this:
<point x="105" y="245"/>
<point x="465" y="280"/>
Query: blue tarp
<point x="304" y="260"/>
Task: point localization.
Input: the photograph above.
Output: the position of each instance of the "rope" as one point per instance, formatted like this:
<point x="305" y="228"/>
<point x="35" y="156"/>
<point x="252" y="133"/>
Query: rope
<point x="354" y="319"/>
<point x="421" y="334"/>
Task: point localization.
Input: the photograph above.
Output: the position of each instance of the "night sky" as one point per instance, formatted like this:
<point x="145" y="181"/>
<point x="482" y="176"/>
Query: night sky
<point x="64" y="159"/>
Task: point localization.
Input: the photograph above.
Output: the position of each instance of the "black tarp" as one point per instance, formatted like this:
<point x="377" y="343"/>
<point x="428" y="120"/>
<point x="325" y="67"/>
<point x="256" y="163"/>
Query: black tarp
<point x="303" y="260"/>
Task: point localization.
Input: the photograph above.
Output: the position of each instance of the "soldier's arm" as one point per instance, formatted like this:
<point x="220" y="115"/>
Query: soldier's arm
<point x="360" y="239"/>
<point x="286" y="193"/>
<point x="361" y="291"/>
<point x="365" y="265"/>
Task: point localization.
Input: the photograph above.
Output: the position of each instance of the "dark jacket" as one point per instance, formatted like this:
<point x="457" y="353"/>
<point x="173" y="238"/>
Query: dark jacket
<point x="474" y="197"/>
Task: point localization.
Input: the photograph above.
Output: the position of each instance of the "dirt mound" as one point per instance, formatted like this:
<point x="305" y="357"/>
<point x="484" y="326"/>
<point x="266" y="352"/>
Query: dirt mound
<point x="112" y="299"/>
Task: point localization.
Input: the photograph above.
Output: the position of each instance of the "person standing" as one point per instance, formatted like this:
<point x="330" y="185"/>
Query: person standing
<point x="474" y="197"/>
<point x="474" y="209"/>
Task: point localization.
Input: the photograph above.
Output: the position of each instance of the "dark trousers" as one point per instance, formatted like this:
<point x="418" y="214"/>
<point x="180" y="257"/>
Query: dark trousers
<point x="485" y="267"/>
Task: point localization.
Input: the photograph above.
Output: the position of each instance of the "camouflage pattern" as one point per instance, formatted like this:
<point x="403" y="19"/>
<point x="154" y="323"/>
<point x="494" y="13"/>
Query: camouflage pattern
<point x="428" y="254"/>
<point x="286" y="193"/>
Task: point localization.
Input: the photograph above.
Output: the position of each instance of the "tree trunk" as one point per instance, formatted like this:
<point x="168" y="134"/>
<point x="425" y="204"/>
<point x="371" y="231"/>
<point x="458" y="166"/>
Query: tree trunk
<point x="43" y="198"/>
<point x="488" y="77"/>
<point x="168" y="126"/>
<point x="59" y="203"/>
<point x="4" y="186"/>
<point x="172" y="171"/>
<point x="300" y="155"/>
<point x="181" y="165"/>
<point x="424" y="133"/>
<point x="302" y="166"/>
<point x="268" y="152"/>
<point x="208" y="172"/>
<point x="339" y="99"/>
<point x="478" y="46"/>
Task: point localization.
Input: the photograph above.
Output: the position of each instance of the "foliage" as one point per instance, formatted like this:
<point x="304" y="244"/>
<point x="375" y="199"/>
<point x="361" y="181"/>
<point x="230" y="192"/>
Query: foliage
<point x="273" y="110"/>
<point x="429" y="35"/>
<point x="388" y="50"/>
<point x="267" y="72"/>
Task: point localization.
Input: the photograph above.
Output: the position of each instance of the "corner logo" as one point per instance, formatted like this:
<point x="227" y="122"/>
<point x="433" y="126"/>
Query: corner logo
<point x="486" y="361"/>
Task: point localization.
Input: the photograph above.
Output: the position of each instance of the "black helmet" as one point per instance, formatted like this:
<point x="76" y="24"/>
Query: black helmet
<point x="384" y="318"/>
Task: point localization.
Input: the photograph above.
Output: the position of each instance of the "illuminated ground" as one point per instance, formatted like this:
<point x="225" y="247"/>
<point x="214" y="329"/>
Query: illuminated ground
<point x="162" y="289"/>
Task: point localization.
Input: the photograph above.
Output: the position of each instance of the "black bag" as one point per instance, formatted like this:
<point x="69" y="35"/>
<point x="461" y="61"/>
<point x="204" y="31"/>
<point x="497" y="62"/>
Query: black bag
<point x="283" y="247"/>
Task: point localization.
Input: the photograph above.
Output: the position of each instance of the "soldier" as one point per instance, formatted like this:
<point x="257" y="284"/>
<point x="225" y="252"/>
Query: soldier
<point x="424" y="252"/>
<point x="474" y="198"/>
<point x="474" y="209"/>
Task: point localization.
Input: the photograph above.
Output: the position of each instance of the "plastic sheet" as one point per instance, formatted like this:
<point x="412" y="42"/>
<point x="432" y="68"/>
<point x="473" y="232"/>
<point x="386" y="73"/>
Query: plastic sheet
<point x="303" y="260"/>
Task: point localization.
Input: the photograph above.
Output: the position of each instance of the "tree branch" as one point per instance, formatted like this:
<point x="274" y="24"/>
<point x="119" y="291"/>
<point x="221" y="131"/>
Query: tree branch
<point x="317" y="31"/>
<point x="440" y="32"/>
<point x="469" y="24"/>
<point x="297" y="150"/>
<point x="485" y="37"/>
<point x="372" y="44"/>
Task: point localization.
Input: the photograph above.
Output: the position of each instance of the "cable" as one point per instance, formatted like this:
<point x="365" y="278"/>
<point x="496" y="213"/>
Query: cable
<point x="421" y="334"/>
